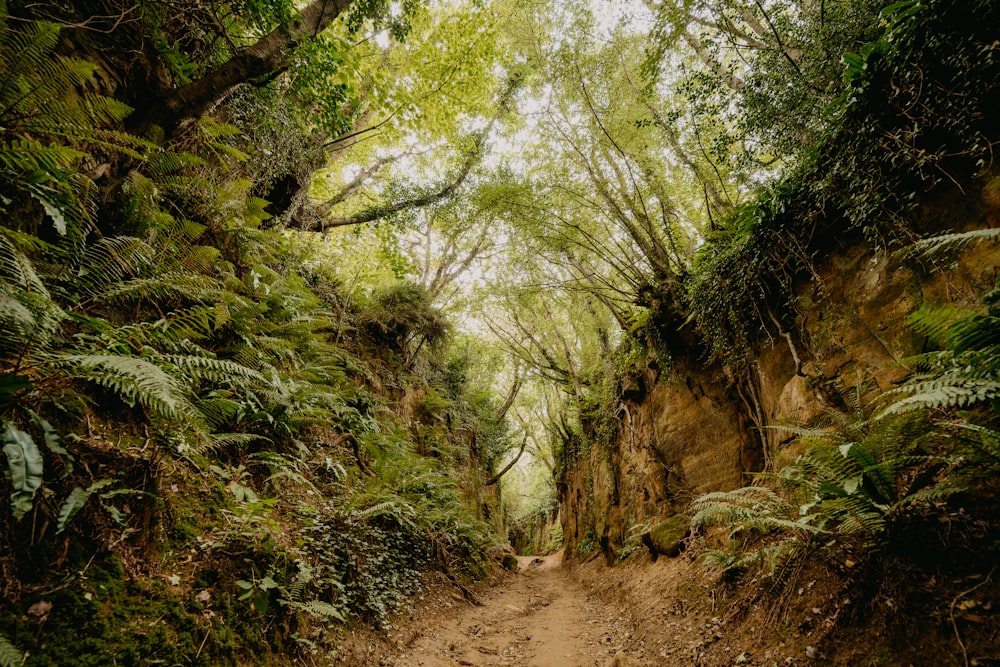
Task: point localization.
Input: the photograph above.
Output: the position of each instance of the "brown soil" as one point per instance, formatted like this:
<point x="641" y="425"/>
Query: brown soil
<point x="538" y="618"/>
<point x="675" y="612"/>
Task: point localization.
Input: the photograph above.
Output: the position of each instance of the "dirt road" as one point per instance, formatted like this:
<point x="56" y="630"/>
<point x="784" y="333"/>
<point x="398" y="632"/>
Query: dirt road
<point x="541" y="618"/>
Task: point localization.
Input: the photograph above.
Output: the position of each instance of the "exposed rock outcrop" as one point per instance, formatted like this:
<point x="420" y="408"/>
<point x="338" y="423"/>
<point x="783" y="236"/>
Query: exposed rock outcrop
<point x="703" y="427"/>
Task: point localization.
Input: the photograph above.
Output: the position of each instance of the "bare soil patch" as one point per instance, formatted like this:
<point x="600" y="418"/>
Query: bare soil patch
<point x="539" y="617"/>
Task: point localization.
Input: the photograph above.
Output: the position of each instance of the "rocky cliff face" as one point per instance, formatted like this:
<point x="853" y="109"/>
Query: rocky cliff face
<point x="699" y="428"/>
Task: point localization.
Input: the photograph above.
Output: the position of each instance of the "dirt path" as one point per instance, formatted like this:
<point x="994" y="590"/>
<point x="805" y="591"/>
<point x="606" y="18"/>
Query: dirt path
<point x="541" y="618"/>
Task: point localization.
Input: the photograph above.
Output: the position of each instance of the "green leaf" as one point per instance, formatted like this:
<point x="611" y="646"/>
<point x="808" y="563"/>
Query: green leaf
<point x="77" y="499"/>
<point x="828" y="490"/>
<point x="261" y="602"/>
<point x="58" y="220"/>
<point x="243" y="493"/>
<point x="24" y="466"/>
<point x="11" y="383"/>
<point x="51" y="437"/>
<point x="852" y="485"/>
<point x="74" y="503"/>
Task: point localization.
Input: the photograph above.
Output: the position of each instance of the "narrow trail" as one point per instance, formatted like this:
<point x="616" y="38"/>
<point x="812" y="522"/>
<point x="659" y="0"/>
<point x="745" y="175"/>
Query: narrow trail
<point x="541" y="618"/>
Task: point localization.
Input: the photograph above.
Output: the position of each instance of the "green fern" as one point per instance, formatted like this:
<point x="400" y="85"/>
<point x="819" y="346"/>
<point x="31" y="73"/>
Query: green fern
<point x="44" y="108"/>
<point x="10" y="656"/>
<point x="24" y="468"/>
<point x="979" y="446"/>
<point x="28" y="315"/>
<point x="858" y="476"/>
<point x="282" y="467"/>
<point x="968" y="373"/>
<point x="220" y="372"/>
<point x="135" y="381"/>
<point x="15" y="266"/>
<point x="110" y="261"/>
<point x="756" y="508"/>
<point x="321" y="609"/>
<point x="942" y="244"/>
<point x="768" y="557"/>
<point x="955" y="389"/>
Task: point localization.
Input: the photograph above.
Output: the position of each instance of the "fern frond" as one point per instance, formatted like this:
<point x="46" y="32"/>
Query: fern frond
<point x="316" y="608"/>
<point x="109" y="261"/>
<point x="219" y="371"/>
<point x="196" y="323"/>
<point x="935" y="323"/>
<point x="241" y="439"/>
<point x="942" y="392"/>
<point x="168" y="285"/>
<point x="754" y="507"/>
<point x="800" y="431"/>
<point x="16" y="268"/>
<point x="26" y="318"/>
<point x="855" y="514"/>
<point x="928" y="495"/>
<point x="980" y="445"/>
<point x="979" y="333"/>
<point x="161" y="165"/>
<point x="134" y="380"/>
<point x="395" y="508"/>
<point x="948" y="243"/>
<point x="10" y="656"/>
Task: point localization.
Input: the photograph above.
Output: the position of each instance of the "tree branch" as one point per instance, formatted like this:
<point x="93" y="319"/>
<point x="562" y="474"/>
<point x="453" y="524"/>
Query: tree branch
<point x="445" y="191"/>
<point x="496" y="478"/>
<point x="356" y="448"/>
<point x="509" y="401"/>
<point x="268" y="56"/>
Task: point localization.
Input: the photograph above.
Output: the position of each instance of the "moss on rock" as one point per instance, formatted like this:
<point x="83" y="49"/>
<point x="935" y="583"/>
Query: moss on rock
<point x="667" y="537"/>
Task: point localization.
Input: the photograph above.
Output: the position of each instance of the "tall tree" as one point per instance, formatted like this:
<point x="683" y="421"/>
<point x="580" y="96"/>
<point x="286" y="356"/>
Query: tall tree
<point x="267" y="57"/>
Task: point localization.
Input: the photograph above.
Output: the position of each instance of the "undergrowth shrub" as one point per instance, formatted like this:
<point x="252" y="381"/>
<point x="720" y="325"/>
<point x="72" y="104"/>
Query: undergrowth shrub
<point x="858" y="477"/>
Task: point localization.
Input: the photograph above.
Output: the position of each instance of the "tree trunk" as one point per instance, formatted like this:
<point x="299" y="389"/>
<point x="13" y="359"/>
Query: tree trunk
<point x="270" y="55"/>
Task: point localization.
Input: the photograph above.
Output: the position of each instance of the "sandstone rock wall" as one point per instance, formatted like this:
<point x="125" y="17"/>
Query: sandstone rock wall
<point x="698" y="428"/>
